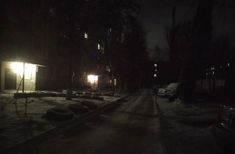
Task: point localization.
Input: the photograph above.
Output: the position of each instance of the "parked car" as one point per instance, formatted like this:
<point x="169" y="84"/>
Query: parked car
<point x="170" y="91"/>
<point x="224" y="129"/>
<point x="162" y="91"/>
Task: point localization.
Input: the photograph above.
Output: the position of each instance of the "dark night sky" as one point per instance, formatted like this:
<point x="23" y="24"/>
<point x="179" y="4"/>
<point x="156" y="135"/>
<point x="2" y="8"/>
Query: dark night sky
<point x="156" y="15"/>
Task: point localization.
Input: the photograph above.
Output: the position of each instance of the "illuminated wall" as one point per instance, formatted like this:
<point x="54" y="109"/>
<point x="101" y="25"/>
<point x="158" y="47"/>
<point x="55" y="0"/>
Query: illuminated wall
<point x="93" y="81"/>
<point x="12" y="76"/>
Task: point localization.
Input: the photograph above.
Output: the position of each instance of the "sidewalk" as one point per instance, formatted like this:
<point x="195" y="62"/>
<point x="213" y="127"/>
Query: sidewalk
<point x="196" y="114"/>
<point x="187" y="128"/>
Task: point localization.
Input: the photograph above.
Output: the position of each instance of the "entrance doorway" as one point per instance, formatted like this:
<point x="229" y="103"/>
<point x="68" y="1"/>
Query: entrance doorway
<point x="10" y="79"/>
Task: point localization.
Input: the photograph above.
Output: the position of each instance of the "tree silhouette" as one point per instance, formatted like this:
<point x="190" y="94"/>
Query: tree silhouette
<point x="201" y="37"/>
<point x="190" y="44"/>
<point x="122" y="34"/>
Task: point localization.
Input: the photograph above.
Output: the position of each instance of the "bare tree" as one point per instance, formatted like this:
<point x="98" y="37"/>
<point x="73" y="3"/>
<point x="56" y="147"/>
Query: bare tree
<point x="201" y="37"/>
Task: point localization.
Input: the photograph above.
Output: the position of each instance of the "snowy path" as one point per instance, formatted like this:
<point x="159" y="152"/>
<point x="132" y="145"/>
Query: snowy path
<point x="132" y="128"/>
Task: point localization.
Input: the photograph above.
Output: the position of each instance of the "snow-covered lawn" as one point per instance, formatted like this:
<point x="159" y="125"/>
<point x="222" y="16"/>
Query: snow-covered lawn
<point x="18" y="125"/>
<point x="187" y="128"/>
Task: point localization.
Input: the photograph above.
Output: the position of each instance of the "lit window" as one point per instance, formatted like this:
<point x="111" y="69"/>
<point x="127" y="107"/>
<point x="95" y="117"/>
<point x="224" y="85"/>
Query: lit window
<point x="85" y="35"/>
<point x="92" y="79"/>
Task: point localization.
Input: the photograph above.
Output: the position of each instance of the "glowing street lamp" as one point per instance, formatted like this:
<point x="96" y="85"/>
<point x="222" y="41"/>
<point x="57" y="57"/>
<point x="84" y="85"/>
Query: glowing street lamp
<point x="19" y="69"/>
<point x="24" y="71"/>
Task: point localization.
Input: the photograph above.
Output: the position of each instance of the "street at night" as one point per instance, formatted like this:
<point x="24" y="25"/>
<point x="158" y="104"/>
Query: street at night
<point x="136" y="126"/>
<point x="117" y="76"/>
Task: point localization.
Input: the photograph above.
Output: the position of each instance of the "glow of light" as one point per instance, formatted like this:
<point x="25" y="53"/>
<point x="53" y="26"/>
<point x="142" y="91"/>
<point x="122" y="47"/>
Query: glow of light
<point x="115" y="82"/>
<point x="155" y="65"/>
<point x="228" y="64"/>
<point x="108" y="68"/>
<point x="98" y="46"/>
<point x="155" y="70"/>
<point x="85" y="35"/>
<point x="18" y="68"/>
<point x="155" y="75"/>
<point x="92" y="79"/>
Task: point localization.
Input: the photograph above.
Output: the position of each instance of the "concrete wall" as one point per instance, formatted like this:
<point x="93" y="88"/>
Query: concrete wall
<point x="30" y="84"/>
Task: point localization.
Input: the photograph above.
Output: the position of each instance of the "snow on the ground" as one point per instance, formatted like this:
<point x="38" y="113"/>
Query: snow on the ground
<point x="17" y="126"/>
<point x="182" y="130"/>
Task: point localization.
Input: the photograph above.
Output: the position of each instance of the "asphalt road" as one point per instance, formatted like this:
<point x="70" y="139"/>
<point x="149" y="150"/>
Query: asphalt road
<point x="131" y="128"/>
